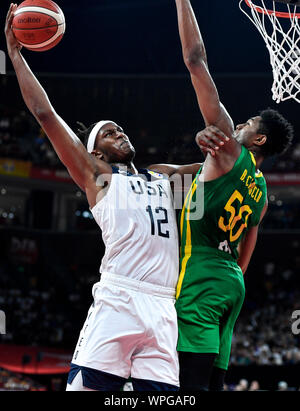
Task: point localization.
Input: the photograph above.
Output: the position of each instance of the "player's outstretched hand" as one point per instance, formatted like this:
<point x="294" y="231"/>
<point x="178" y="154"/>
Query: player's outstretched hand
<point x="210" y="140"/>
<point x="12" y="42"/>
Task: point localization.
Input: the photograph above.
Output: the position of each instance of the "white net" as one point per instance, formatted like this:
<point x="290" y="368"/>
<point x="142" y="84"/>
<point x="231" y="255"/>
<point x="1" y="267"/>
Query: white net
<point x="282" y="38"/>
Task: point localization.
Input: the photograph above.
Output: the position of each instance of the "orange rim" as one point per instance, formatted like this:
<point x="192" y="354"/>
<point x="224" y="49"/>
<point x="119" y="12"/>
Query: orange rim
<point x="282" y="14"/>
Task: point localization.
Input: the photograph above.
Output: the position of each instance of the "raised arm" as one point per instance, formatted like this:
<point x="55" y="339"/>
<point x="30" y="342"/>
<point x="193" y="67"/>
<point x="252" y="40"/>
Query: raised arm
<point x="194" y="55"/>
<point x="213" y="111"/>
<point x="82" y="166"/>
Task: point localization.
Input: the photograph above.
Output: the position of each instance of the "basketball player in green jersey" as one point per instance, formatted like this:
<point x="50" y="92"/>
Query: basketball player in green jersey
<point x="216" y="249"/>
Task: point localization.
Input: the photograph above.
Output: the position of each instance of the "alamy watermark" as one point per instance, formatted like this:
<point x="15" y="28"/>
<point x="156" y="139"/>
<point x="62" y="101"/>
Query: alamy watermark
<point x="2" y="62"/>
<point x="296" y="324"/>
<point x="2" y="322"/>
<point x="153" y="191"/>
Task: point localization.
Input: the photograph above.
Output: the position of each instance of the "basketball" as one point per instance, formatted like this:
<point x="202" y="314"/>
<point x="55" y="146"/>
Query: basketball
<point x="38" y="25"/>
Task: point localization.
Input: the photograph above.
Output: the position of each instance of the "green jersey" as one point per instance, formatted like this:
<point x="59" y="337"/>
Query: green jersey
<point x="211" y="290"/>
<point x="231" y="205"/>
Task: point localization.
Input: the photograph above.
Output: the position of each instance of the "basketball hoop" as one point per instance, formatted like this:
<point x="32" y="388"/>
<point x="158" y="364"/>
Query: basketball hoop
<point x="282" y="41"/>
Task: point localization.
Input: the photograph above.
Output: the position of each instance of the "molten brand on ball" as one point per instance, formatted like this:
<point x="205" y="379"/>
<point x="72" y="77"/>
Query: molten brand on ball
<point x="38" y="24"/>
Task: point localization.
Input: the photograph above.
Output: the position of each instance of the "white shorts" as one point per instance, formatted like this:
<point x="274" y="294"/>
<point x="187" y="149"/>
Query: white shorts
<point x="130" y="330"/>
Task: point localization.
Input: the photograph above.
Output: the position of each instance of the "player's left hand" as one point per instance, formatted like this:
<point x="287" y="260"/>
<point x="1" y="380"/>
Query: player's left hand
<point x="210" y="140"/>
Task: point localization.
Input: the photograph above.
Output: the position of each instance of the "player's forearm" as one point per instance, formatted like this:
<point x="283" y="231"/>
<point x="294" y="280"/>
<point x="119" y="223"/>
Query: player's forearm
<point x="247" y="247"/>
<point x="193" y="48"/>
<point x="243" y="264"/>
<point x="66" y="144"/>
<point x="243" y="260"/>
<point x="33" y="93"/>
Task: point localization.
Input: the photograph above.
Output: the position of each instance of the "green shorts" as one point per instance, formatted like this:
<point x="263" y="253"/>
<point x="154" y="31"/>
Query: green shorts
<point x="210" y="300"/>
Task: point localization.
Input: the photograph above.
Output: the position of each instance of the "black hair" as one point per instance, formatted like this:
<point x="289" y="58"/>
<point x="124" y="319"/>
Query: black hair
<point x="83" y="132"/>
<point x="278" y="130"/>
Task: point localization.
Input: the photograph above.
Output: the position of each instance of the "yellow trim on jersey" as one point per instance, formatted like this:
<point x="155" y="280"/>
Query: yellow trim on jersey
<point x="188" y="240"/>
<point x="252" y="158"/>
<point x="183" y="210"/>
<point x="259" y="174"/>
<point x="184" y="207"/>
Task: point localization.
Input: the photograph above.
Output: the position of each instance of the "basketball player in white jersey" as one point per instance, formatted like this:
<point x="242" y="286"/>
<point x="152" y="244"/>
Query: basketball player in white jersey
<point x="131" y="328"/>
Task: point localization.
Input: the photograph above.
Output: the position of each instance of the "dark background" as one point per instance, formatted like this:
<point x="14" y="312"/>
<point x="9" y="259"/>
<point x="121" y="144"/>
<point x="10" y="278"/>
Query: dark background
<point x="122" y="60"/>
<point x="106" y="40"/>
<point x="140" y="36"/>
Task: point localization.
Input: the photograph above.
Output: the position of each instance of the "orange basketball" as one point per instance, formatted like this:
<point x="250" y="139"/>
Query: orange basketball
<point x="38" y="24"/>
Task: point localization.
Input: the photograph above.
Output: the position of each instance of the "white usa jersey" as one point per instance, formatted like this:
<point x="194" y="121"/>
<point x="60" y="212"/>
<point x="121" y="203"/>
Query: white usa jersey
<point x="139" y="228"/>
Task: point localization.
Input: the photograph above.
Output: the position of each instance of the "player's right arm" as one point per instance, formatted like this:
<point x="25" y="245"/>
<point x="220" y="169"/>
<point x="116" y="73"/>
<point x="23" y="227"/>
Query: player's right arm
<point x="247" y="245"/>
<point x="82" y="166"/>
<point x="195" y="58"/>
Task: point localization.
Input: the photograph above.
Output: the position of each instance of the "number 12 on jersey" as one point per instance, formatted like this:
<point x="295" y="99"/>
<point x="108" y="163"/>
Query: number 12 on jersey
<point x="159" y="212"/>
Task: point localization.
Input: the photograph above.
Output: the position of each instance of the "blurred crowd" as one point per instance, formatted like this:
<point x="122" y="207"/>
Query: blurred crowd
<point x="264" y="333"/>
<point x="22" y="138"/>
<point x="241" y="385"/>
<point x="254" y="385"/>
<point x="46" y="305"/>
<point x="282" y="215"/>
<point x="10" y="381"/>
<point x="263" y="336"/>
<point x="38" y="298"/>
<point x="48" y="293"/>
<point x="36" y="303"/>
